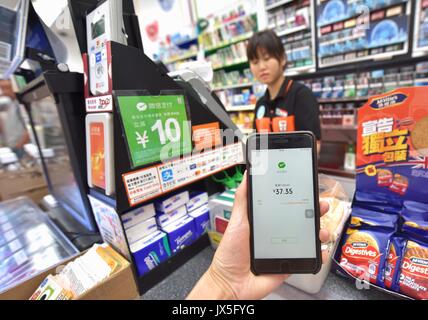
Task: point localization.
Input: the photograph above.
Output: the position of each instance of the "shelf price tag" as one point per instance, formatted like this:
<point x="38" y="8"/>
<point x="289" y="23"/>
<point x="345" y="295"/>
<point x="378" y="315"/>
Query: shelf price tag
<point x="156" y="127"/>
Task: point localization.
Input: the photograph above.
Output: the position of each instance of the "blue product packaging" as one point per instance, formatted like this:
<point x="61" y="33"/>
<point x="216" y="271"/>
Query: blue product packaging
<point x="415" y="220"/>
<point x="197" y="199"/>
<point x="393" y="262"/>
<point x="150" y="251"/>
<point x="164" y="219"/>
<point x="363" y="217"/>
<point x="201" y="220"/>
<point x="138" y="215"/>
<point x="180" y="233"/>
<point x="364" y="252"/>
<point x="172" y="202"/>
<point x="378" y="202"/>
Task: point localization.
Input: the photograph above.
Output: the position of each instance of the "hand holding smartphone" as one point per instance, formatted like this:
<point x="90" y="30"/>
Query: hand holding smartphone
<point x="283" y="204"/>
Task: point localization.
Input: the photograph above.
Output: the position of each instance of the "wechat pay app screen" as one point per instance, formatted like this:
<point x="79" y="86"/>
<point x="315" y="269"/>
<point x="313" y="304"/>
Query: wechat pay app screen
<point x="283" y="203"/>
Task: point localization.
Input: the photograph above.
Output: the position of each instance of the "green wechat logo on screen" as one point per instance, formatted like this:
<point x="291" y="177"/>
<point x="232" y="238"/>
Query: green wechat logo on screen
<point x="156" y="127"/>
<point x="281" y="165"/>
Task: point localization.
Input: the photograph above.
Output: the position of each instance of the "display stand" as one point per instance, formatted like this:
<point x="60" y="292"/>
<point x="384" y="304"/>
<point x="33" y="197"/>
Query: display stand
<point x="132" y="70"/>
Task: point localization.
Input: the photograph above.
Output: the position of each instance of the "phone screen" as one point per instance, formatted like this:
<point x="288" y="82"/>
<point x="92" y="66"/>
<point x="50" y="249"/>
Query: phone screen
<point x="283" y="203"/>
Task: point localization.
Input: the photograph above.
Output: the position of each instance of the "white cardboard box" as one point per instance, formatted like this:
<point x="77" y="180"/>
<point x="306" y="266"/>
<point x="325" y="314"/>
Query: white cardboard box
<point x="138" y="215"/>
<point x="141" y="230"/>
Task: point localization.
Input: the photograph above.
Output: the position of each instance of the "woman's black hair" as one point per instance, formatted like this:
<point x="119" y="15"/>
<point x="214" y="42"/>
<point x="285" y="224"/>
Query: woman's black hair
<point x="268" y="41"/>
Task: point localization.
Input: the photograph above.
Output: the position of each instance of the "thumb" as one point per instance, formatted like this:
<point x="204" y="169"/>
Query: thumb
<point x="240" y="209"/>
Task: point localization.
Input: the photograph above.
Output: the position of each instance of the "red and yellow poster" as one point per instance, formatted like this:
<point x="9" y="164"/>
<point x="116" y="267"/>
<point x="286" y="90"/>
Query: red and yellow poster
<point x="392" y="145"/>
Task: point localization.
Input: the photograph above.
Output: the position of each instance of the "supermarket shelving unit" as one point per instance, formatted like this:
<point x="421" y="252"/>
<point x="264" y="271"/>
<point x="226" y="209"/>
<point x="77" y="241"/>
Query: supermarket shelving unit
<point x="299" y="40"/>
<point x="420" y="38"/>
<point x="221" y="39"/>
<point x="357" y="31"/>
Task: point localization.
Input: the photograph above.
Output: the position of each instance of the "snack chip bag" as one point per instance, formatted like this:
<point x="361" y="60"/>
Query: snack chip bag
<point x="364" y="253"/>
<point x="413" y="278"/>
<point x="393" y="262"/>
<point x="363" y="217"/>
<point x="377" y="201"/>
<point x="415" y="220"/>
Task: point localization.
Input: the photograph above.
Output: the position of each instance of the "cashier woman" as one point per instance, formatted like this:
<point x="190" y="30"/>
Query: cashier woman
<point x="229" y="275"/>
<point x="286" y="105"/>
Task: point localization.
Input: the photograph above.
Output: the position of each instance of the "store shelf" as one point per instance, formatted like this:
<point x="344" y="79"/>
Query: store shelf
<point x="277" y="4"/>
<point x="338" y="127"/>
<point x="300" y="70"/>
<point x="368" y="65"/>
<point x="339" y="40"/>
<point x="359" y="14"/>
<point x="183" y="57"/>
<point x="234" y="86"/>
<point x="291" y="31"/>
<point x="339" y="133"/>
<point x="375" y="57"/>
<point x="237" y="19"/>
<point x="367" y="49"/>
<point x="186" y="43"/>
<point x="249" y="107"/>
<point x="420" y="52"/>
<point x="233" y="64"/>
<point x="231" y="154"/>
<point x="225" y="44"/>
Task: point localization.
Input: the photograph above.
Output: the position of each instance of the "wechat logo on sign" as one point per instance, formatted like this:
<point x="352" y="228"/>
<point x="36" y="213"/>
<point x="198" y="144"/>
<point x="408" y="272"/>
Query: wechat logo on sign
<point x="141" y="106"/>
<point x="281" y="165"/>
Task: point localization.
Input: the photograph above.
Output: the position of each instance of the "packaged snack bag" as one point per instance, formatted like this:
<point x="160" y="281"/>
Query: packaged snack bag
<point x="363" y="217"/>
<point x="415" y="220"/>
<point x="393" y="262"/>
<point x="364" y="253"/>
<point x="377" y="201"/>
<point x="413" y="278"/>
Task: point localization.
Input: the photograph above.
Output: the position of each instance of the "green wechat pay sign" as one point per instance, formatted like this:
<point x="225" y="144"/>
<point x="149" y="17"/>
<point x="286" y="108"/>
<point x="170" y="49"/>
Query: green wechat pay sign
<point x="156" y="127"/>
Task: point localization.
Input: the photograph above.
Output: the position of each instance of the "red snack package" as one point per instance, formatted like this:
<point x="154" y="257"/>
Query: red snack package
<point x="364" y="253"/>
<point x="400" y="184"/>
<point x="395" y="254"/>
<point x="414" y="271"/>
<point x="384" y="178"/>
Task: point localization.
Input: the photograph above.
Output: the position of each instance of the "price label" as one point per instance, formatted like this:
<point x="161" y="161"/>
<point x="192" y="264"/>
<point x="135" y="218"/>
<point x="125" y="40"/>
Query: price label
<point x="283" y="191"/>
<point x="156" y="127"/>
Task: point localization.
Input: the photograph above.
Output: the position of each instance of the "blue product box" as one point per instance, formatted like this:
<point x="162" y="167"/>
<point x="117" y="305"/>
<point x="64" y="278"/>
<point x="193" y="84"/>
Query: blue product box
<point x="172" y="202"/>
<point x="180" y="233"/>
<point x="150" y="251"/>
<point x="164" y="219"/>
<point x="197" y="199"/>
<point x="138" y="215"/>
<point x="201" y="220"/>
